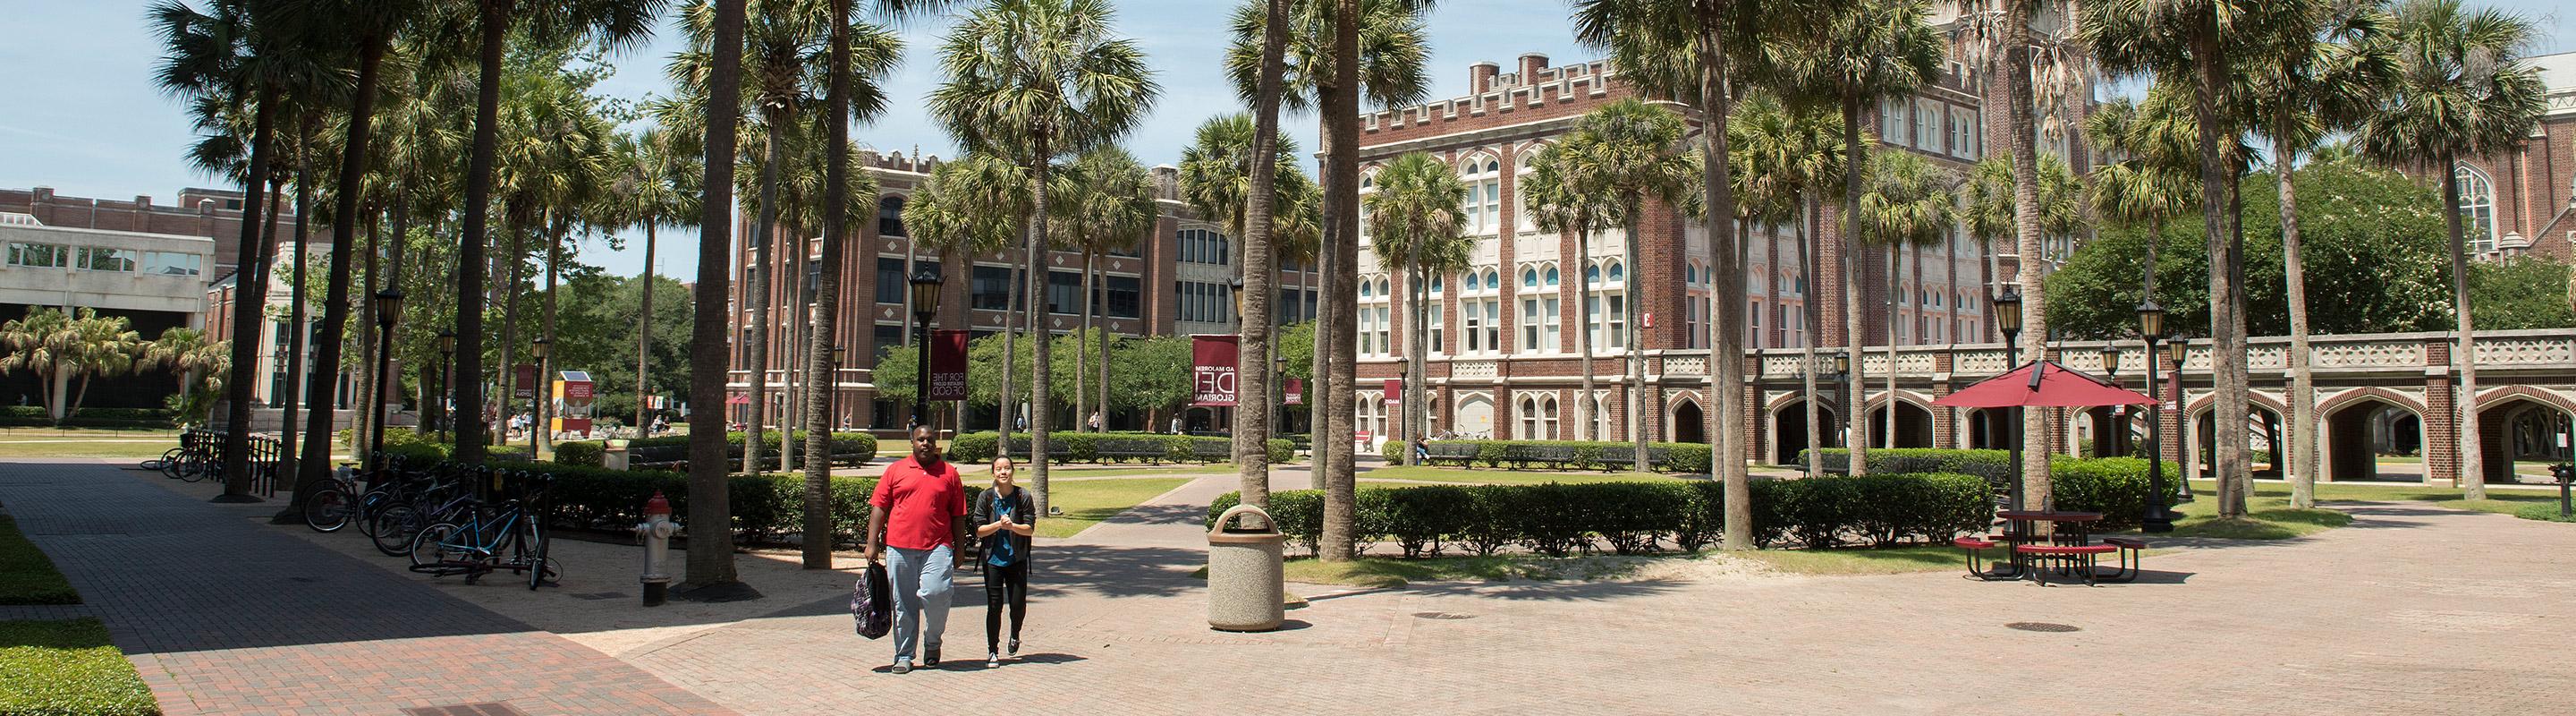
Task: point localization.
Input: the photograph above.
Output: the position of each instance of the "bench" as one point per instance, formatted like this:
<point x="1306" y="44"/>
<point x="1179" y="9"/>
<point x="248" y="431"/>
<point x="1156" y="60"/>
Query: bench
<point x="1459" y="454"/>
<point x="2132" y="553"/>
<point x="1976" y="549"/>
<point x="2080" y="558"/>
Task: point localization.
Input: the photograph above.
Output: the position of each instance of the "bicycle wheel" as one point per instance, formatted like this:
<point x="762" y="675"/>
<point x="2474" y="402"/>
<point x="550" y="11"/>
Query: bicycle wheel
<point x="193" y="470"/>
<point x="433" y="546"/>
<point x="327" y="510"/>
<point x="540" y="569"/>
<point x="394" y="528"/>
<point x="370" y="505"/>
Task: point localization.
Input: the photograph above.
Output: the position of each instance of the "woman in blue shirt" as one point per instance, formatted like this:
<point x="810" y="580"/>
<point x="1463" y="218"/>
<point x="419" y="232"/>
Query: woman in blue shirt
<point x="1004" y="517"/>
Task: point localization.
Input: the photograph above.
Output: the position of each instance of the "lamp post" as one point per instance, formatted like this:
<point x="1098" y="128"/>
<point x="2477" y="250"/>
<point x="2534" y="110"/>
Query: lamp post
<point x="2008" y="319"/>
<point x="2111" y="437"/>
<point x="832" y="394"/>
<point x="2178" y="349"/>
<point x="541" y="435"/>
<point x="1279" y="407"/>
<point x="1842" y="370"/>
<point x="446" y="355"/>
<point x="925" y="306"/>
<point x="2151" y="326"/>
<point x="388" y="308"/>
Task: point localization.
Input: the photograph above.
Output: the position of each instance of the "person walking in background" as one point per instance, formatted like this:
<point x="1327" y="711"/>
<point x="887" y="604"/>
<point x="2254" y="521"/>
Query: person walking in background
<point x="1176" y="425"/>
<point x="919" y="509"/>
<point x="1004" y="519"/>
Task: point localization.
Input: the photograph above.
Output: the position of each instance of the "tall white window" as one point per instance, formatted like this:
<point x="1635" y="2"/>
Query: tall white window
<point x="1927" y="126"/>
<point x="1374" y="312"/>
<point x="1482" y="312"/>
<point x="1547" y="417"/>
<point x="1529" y="419"/>
<point x="1483" y="204"/>
<point x="1437" y="333"/>
<point x="1606" y="314"/>
<point x="1526" y="160"/>
<point x="2477" y="209"/>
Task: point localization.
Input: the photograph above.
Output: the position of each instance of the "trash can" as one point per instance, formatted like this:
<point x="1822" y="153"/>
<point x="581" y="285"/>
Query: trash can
<point x="1245" y="591"/>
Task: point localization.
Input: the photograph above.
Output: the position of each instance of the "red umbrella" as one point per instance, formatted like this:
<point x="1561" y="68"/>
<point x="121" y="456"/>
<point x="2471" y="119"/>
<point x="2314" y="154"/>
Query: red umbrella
<point x="2052" y="386"/>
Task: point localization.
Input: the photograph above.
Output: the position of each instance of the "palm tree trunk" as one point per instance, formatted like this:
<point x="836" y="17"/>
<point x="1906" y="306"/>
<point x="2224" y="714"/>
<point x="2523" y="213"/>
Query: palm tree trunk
<point x="1726" y="462"/>
<point x="335" y="308"/>
<point x="2227" y="329"/>
<point x="2036" y="492"/>
<point x="1855" y="341"/>
<point x="1895" y="268"/>
<point x="1582" y="271"/>
<point x="1417" y="416"/>
<point x="1011" y="316"/>
<point x="2303" y="387"/>
<point x="299" y="330"/>
<point x="363" y="419"/>
<point x="509" y="300"/>
<point x="644" y="336"/>
<point x="711" y="570"/>
<point x="1041" y="393"/>
<point x="2473" y="476"/>
<point x="1636" y="343"/>
<point x="1807" y="348"/>
<point x="758" y="274"/>
<point x="791" y="370"/>
<point x="393" y="277"/>
<point x="817" y="523"/>
<point x="250" y="299"/>
<point x="470" y="259"/>
<point x="1260" y="257"/>
<point x="544" y="435"/>
<point x="1336" y="345"/>
<point x="1082" y="351"/>
<point x="1100" y="368"/>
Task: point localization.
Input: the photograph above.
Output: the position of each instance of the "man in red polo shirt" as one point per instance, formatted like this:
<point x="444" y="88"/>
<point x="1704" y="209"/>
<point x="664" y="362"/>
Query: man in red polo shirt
<point x="919" y="510"/>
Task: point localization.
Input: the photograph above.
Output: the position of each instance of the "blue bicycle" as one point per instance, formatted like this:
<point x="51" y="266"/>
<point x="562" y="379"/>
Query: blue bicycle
<point x="487" y="540"/>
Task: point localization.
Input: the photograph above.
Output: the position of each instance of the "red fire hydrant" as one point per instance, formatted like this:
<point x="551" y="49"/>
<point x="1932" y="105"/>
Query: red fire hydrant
<point x="656" y="533"/>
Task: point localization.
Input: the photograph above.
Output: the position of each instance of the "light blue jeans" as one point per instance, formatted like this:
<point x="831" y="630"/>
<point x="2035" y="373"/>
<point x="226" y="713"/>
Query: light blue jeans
<point x="922" y="578"/>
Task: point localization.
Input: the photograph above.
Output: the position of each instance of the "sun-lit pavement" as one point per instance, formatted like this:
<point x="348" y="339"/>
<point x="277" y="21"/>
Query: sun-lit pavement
<point x="2411" y="610"/>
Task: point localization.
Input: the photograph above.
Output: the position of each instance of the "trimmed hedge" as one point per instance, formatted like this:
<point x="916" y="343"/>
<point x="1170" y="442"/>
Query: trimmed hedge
<point x="585" y="453"/>
<point x="1064" y="447"/>
<point x="68" y="668"/>
<point x="675" y="448"/>
<point x="1558" y="519"/>
<point x="1688" y="458"/>
<point x="35" y="416"/>
<point x="764" y="507"/>
<point x="2113" y="486"/>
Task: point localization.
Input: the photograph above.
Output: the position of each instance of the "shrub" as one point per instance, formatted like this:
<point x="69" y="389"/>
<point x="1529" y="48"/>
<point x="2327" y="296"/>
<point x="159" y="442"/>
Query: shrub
<point x="1065" y="447"/>
<point x="1686" y="458"/>
<point x="68" y="668"/>
<point x="765" y="507"/>
<point x="675" y="448"/>
<point x="2114" y="486"/>
<point x="35" y="415"/>
<point x="586" y="453"/>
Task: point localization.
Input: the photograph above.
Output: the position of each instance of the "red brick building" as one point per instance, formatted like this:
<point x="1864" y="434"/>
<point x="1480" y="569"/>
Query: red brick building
<point x="2512" y="200"/>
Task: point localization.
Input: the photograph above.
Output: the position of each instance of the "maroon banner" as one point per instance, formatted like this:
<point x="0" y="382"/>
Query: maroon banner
<point x="1394" y="390"/>
<point x="1295" y="391"/>
<point x="524" y="383"/>
<point x="583" y="390"/>
<point x="947" y="365"/>
<point x="1212" y="370"/>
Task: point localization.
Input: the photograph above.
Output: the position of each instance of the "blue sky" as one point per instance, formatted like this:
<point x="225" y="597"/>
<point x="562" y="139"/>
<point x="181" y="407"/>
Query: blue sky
<point x="84" y="118"/>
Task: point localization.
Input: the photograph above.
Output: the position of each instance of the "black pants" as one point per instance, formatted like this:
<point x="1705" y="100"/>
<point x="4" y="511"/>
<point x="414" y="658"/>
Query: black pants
<point x="1005" y="585"/>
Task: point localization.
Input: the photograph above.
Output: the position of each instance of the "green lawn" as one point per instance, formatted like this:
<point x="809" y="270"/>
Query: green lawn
<point x="2271" y="516"/>
<point x="26" y="575"/>
<point x="1087" y="502"/>
<point x="133" y="447"/>
<point x="67" y="668"/>
<point x="1498" y="476"/>
<point x="2509" y="502"/>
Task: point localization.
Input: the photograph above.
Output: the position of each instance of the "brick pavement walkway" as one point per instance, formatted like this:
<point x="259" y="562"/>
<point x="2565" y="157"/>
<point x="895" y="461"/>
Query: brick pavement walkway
<point x="223" y="615"/>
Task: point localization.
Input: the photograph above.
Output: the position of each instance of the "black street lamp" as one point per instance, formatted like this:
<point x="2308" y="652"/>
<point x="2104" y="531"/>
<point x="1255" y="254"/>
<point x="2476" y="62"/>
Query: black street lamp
<point x="446" y="357"/>
<point x="832" y="394"/>
<point x="925" y="306"/>
<point x="2008" y="318"/>
<point x="1842" y="392"/>
<point x="540" y="435"/>
<point x="1279" y="406"/>
<point x="2179" y="349"/>
<point x="388" y="311"/>
<point x="2159" y="517"/>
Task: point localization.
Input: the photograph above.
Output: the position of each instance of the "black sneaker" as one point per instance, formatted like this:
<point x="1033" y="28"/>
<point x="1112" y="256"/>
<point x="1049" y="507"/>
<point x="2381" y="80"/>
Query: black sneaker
<point x="930" y="657"/>
<point x="1015" y="648"/>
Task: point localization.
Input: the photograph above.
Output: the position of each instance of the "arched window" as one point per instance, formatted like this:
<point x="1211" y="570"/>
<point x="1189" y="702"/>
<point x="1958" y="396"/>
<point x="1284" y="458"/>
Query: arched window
<point x="1436" y="282"/>
<point x="1592" y="274"/>
<point x="1529" y="419"/>
<point x="1552" y="276"/>
<point x="1525" y="161"/>
<point x="1618" y="271"/>
<point x="890" y="217"/>
<point x="2477" y="209"/>
<point x="1529" y="278"/>
<point x="1482" y="207"/>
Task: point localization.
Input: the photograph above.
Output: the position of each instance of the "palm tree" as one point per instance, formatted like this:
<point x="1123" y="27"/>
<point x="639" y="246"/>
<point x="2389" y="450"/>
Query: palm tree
<point x="1690" y="50"/>
<point x="711" y="570"/>
<point x="1907" y="204"/>
<point x="2460" y="89"/>
<point x="1635" y="154"/>
<point x="43" y="342"/>
<point x="2315" y="77"/>
<point x="1784" y="159"/>
<point x="247" y="56"/>
<point x="1990" y="209"/>
<point x="197" y="361"/>
<point x="2149" y="178"/>
<point x="1419" y="229"/>
<point x="974" y="204"/>
<point x="1217" y="178"/>
<point x="1110" y="207"/>
<point x="102" y="347"/>
<point x="1998" y="32"/>
<point x="1029" y="80"/>
<point x="1558" y="190"/>
<point x="1875" y="50"/>
<point x="1388" y="48"/>
<point x="654" y="186"/>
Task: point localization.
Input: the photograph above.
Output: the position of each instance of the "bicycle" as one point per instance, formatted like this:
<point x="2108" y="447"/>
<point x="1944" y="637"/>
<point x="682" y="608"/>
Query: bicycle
<point x="507" y="538"/>
<point x="408" y="512"/>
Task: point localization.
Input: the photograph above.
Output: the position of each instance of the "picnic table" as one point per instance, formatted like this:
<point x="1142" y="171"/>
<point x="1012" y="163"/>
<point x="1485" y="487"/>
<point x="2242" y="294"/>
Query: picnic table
<point x="2068" y="545"/>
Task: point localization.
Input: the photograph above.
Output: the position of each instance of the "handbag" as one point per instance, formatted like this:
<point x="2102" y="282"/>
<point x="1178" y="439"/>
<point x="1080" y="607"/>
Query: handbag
<point x="872" y="602"/>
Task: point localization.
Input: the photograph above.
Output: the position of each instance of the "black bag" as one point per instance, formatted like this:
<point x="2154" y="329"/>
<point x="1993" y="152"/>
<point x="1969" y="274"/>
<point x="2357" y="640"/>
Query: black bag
<point x="872" y="602"/>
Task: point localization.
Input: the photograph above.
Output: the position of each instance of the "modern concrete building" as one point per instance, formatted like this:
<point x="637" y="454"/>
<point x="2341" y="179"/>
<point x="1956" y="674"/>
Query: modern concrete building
<point x="155" y="281"/>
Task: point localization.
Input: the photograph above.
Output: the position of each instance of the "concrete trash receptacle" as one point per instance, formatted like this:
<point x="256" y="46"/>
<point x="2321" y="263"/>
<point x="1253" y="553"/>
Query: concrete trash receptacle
<point x="1245" y="587"/>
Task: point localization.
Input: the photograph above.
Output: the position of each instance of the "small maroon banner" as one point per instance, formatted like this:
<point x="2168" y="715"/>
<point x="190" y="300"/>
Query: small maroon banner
<point x="524" y="380"/>
<point x="1295" y="391"/>
<point x="947" y="365"/>
<point x="583" y="390"/>
<point x="1212" y="365"/>
<point x="1394" y="390"/>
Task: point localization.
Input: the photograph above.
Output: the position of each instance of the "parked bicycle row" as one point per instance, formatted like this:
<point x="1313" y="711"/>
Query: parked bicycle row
<point x="431" y="515"/>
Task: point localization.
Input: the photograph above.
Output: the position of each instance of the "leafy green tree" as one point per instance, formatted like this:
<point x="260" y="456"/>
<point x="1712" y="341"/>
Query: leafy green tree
<point x="1564" y="203"/>
<point x="199" y="364"/>
<point x="601" y="313"/>
<point x="43" y="343"/>
<point x="2373" y="247"/>
<point x="1109" y="207"/>
<point x="1784" y="159"/>
<point x="1031" y="80"/>
<point x="2521" y="294"/>
<point x="1636" y="155"/>
<point x="1907" y="204"/>
<point x="2460" y="89"/>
